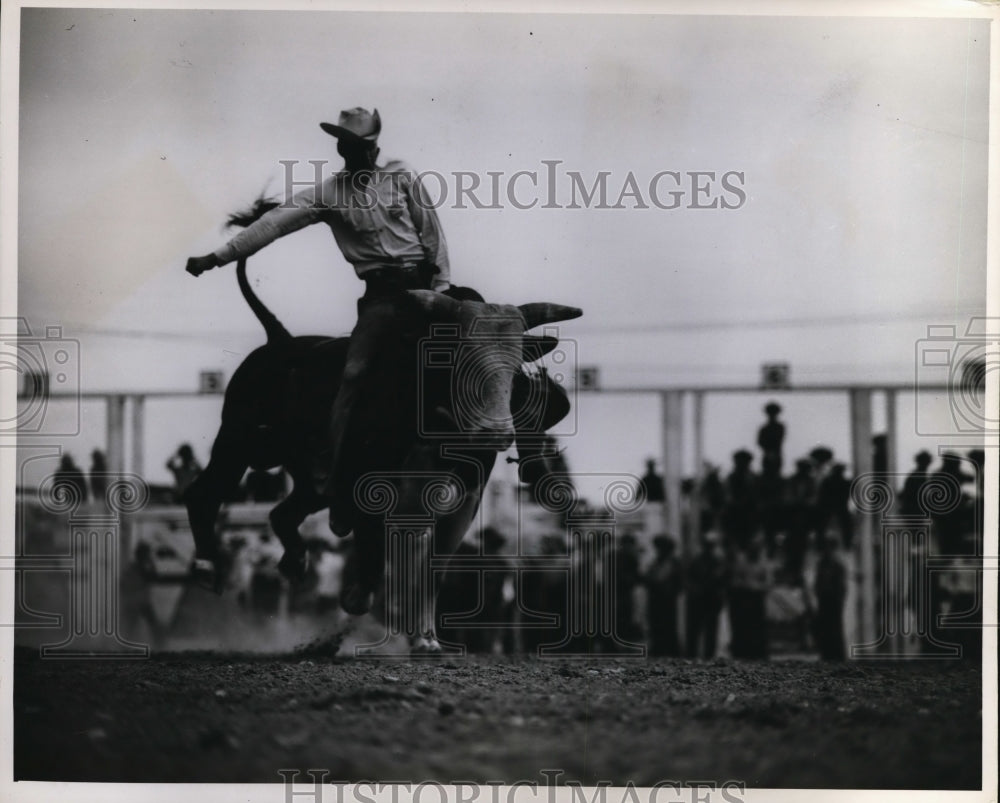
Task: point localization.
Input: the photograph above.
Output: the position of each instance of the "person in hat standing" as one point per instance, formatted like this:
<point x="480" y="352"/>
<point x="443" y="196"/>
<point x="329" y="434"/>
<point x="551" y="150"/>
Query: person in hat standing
<point x="98" y="475"/>
<point x="652" y="483"/>
<point x="185" y="468"/>
<point x="771" y="437"/>
<point x="386" y="228"/>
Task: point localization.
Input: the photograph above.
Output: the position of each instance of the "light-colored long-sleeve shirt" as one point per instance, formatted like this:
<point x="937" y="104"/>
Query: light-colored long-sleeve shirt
<point x="390" y="222"/>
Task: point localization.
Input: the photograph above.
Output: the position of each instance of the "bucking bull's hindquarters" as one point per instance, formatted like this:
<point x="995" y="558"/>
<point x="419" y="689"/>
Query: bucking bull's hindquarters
<point x="442" y="397"/>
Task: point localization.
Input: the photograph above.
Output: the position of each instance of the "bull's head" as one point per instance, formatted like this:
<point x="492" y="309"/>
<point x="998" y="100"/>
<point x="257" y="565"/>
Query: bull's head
<point x="479" y="348"/>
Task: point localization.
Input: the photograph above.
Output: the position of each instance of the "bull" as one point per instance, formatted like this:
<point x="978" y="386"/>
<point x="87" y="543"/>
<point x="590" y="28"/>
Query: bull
<point x="444" y="395"/>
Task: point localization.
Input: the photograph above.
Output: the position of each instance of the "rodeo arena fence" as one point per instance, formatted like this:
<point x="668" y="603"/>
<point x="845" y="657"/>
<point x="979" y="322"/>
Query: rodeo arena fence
<point x="109" y="577"/>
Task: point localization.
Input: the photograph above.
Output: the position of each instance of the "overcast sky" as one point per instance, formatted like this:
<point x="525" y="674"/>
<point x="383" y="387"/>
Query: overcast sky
<point x="862" y="146"/>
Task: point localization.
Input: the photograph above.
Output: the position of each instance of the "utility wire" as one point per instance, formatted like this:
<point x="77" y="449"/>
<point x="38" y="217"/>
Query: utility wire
<point x="936" y="315"/>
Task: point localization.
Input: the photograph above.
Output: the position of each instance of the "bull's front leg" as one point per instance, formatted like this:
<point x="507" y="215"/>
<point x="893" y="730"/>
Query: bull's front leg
<point x="442" y="539"/>
<point x="392" y="553"/>
<point x="412" y="601"/>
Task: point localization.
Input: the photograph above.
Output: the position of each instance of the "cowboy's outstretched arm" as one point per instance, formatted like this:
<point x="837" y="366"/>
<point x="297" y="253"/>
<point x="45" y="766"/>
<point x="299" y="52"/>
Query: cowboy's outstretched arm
<point x="431" y="235"/>
<point x="301" y="211"/>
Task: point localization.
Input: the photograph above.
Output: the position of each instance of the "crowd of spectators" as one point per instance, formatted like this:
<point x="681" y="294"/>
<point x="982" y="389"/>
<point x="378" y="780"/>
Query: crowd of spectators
<point x="184" y="468"/>
<point x="769" y="538"/>
<point x="755" y="540"/>
<point x="84" y="486"/>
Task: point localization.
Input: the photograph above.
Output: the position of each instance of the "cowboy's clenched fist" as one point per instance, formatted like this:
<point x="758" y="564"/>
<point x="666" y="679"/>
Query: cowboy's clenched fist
<point x="198" y="265"/>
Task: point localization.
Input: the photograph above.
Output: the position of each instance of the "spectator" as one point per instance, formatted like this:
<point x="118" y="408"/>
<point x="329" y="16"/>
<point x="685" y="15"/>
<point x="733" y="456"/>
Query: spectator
<point x="978" y="459"/>
<point x="909" y="504"/>
<point x="98" y="475"/>
<point x="800" y="515"/>
<point x="959" y="593"/>
<point x="789" y="604"/>
<point x="748" y="589"/>
<point x="830" y="588"/>
<point x="499" y="594"/>
<point x="821" y="457"/>
<point x="627" y="578"/>
<point x="540" y="460"/>
<point x="329" y="566"/>
<point x="593" y="569"/>
<point x="952" y="526"/>
<point x="458" y="598"/>
<point x="663" y="583"/>
<point x="706" y="577"/>
<point x="834" y="494"/>
<point x="302" y="593"/>
<point x="185" y="468"/>
<point x="771" y="436"/>
<point x="475" y="604"/>
<point x="740" y="514"/>
<point x="713" y="498"/>
<point x="771" y="502"/>
<point x="880" y="454"/>
<point x="543" y="594"/>
<point x="266" y="583"/>
<point x="243" y="556"/>
<point x="139" y="619"/>
<point x="69" y="478"/>
<point x="652" y="483"/>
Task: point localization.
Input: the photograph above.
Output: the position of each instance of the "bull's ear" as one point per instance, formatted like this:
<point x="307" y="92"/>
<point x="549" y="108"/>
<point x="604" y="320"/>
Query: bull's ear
<point x="435" y="304"/>
<point x="538" y="313"/>
<point x="534" y="347"/>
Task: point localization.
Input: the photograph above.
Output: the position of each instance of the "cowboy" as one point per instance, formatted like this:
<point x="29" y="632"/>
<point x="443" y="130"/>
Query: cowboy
<point x="385" y="227"/>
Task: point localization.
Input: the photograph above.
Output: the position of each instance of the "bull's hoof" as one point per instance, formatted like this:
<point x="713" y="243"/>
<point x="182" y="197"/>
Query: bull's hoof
<point x="294" y="566"/>
<point x="425" y="646"/>
<point x="206" y="575"/>
<point x="356" y="600"/>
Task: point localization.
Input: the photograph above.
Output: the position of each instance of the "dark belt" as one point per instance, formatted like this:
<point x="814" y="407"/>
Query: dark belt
<point x="386" y="281"/>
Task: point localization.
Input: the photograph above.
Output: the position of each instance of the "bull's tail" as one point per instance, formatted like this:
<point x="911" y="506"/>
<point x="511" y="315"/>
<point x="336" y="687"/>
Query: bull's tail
<point x="276" y="332"/>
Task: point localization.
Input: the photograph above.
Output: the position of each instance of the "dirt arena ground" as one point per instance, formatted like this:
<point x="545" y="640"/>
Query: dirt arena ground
<point x="240" y="718"/>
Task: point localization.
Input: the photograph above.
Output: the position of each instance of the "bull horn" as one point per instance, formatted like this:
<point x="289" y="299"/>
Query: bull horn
<point x="538" y="313"/>
<point x="534" y="347"/>
<point x="434" y="303"/>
